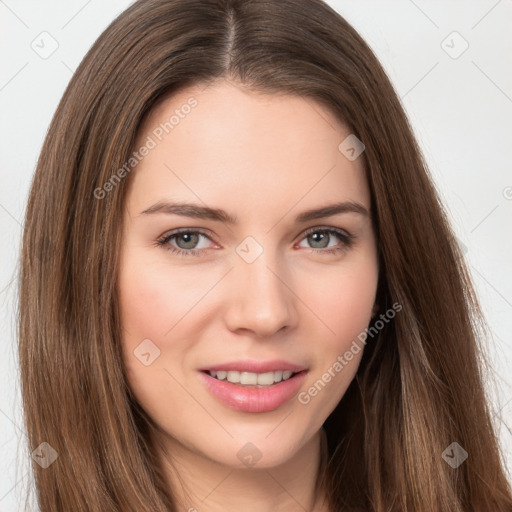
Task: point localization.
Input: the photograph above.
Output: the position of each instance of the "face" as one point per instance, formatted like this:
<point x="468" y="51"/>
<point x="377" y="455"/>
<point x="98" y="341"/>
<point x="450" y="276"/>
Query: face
<point x="253" y="289"/>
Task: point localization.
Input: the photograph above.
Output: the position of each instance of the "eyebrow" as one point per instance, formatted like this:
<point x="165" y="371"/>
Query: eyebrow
<point x="217" y="214"/>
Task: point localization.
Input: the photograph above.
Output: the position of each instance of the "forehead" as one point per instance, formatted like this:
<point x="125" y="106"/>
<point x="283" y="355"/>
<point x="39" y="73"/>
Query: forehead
<point x="225" y="144"/>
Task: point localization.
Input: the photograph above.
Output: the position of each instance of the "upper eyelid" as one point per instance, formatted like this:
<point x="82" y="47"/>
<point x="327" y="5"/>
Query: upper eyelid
<point x="325" y="228"/>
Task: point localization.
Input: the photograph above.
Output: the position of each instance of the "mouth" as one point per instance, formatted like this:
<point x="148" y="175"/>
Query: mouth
<point x="251" y="379"/>
<point x="253" y="392"/>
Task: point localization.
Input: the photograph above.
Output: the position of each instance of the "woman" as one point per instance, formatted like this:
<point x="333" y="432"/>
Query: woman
<point x="184" y="343"/>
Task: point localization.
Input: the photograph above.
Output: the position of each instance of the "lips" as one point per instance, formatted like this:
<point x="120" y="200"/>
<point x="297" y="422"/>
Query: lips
<point x="252" y="397"/>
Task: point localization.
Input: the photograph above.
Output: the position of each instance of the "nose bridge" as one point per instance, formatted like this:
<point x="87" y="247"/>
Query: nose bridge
<point x="262" y="302"/>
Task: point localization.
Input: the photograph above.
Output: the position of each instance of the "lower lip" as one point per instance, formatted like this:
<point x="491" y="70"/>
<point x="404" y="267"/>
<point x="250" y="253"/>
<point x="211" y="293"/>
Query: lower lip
<point x="248" y="399"/>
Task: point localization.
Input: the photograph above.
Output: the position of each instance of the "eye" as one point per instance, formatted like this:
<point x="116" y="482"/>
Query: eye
<point x="186" y="240"/>
<point x="320" y="238"/>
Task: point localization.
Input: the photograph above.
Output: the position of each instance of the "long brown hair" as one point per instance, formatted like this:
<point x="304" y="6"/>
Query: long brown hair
<point x="419" y="387"/>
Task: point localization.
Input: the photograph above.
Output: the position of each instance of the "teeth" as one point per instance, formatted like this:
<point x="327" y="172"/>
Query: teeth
<point x="232" y="376"/>
<point x="249" y="379"/>
<point x="252" y="379"/>
<point x="265" y="379"/>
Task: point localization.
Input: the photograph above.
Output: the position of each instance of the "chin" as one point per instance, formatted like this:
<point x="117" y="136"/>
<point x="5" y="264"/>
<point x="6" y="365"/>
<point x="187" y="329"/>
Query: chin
<point x="258" y="450"/>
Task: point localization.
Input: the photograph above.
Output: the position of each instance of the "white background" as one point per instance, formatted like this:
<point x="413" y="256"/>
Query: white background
<point x="460" y="109"/>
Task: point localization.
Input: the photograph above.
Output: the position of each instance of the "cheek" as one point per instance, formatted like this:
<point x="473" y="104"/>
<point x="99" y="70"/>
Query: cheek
<point x="344" y="304"/>
<point x="152" y="302"/>
<point x="351" y="306"/>
<point x="153" y="298"/>
<point x="150" y="306"/>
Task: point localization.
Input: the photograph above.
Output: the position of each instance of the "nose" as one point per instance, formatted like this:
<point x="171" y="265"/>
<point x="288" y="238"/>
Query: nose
<point x="261" y="300"/>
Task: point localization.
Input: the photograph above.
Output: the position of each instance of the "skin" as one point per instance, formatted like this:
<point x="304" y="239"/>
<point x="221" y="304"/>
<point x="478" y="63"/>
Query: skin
<point x="264" y="159"/>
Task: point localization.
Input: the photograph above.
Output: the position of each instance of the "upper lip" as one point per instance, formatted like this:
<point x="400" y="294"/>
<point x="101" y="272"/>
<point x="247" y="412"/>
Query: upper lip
<point x="255" y="366"/>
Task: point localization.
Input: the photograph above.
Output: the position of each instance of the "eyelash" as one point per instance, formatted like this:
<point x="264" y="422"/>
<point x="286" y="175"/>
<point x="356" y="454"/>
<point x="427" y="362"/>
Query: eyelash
<point x="346" y="238"/>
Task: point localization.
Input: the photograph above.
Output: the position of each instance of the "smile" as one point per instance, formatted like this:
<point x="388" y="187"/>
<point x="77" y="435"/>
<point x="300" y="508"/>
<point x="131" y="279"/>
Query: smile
<point x="252" y="379"/>
<point x="242" y="391"/>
